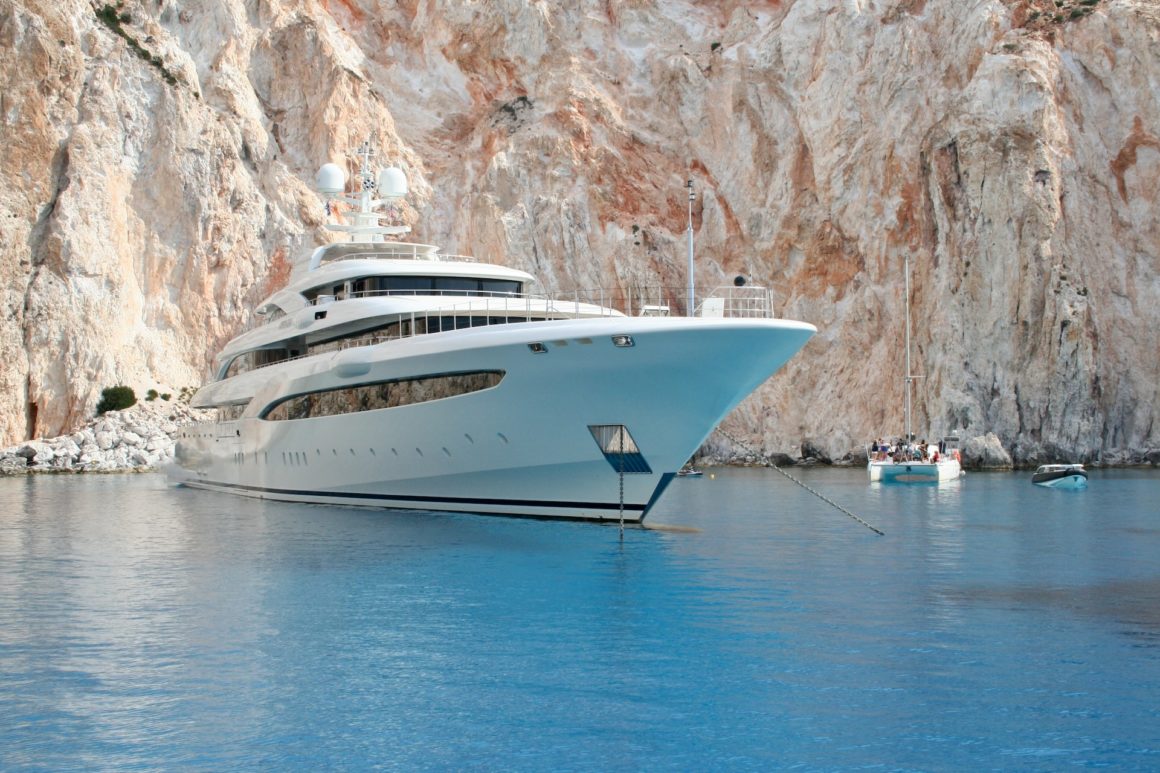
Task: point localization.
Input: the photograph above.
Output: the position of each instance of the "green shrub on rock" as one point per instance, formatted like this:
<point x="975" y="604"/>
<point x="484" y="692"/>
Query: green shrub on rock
<point x="116" y="398"/>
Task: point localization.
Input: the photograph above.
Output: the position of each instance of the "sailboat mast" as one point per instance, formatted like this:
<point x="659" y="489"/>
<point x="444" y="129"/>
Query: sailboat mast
<point x="689" y="307"/>
<point x="909" y="375"/>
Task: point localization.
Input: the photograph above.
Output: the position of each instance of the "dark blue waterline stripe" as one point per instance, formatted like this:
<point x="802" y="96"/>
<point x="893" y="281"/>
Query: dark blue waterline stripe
<point x="435" y="500"/>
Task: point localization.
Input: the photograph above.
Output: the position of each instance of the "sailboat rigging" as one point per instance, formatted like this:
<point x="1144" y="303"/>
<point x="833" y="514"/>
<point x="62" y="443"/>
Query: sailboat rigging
<point x="903" y="461"/>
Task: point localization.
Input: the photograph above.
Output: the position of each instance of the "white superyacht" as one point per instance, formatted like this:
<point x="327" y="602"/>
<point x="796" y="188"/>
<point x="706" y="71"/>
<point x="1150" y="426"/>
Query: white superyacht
<point x="390" y="375"/>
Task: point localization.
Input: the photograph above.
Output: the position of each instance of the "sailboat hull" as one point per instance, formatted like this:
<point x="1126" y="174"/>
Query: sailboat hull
<point x="915" y="472"/>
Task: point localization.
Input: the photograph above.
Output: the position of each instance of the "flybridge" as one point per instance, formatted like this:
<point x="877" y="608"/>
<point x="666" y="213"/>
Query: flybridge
<point x="380" y="250"/>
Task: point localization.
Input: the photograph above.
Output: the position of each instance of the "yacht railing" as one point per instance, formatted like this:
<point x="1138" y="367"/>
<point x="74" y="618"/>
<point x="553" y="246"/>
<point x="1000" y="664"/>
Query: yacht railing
<point x="481" y="309"/>
<point x="424" y="292"/>
<point x="732" y="301"/>
<point x="461" y="258"/>
<point x="397" y="251"/>
<point x="725" y="301"/>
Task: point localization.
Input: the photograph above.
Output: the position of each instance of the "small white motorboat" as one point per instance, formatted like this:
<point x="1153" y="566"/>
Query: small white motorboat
<point x="1068" y="476"/>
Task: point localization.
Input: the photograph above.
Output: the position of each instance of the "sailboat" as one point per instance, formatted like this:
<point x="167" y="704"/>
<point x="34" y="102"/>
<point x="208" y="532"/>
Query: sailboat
<point x="910" y="463"/>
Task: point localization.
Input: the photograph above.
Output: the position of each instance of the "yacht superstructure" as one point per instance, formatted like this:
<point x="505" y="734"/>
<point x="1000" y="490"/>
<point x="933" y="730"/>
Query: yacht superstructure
<point x="387" y="374"/>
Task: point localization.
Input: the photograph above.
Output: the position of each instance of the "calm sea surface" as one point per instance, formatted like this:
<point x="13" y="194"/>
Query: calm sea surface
<point x="996" y="626"/>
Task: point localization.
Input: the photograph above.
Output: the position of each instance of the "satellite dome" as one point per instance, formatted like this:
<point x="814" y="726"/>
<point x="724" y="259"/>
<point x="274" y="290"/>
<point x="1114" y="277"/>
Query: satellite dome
<point x="392" y="183"/>
<point x="330" y="179"/>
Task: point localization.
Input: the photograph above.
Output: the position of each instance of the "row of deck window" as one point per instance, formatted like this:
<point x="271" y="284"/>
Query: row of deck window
<point x="399" y="329"/>
<point x="419" y="285"/>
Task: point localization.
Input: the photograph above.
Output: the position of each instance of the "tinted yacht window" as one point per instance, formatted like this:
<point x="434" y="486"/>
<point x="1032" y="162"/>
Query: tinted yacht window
<point x="405" y="284"/>
<point x="444" y="285"/>
<point x="499" y="286"/>
<point x="382" y="394"/>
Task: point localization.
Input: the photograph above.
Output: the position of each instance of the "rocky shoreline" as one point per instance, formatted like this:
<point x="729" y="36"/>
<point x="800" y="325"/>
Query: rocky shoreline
<point x="979" y="453"/>
<point x="140" y="438"/>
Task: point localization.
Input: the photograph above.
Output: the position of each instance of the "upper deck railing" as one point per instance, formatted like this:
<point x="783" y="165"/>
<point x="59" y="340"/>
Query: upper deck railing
<point x="725" y="301"/>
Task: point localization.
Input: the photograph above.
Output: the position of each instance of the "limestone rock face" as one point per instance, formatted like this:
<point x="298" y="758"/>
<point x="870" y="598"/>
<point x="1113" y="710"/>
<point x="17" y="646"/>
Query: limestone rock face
<point x="985" y="452"/>
<point x="157" y="160"/>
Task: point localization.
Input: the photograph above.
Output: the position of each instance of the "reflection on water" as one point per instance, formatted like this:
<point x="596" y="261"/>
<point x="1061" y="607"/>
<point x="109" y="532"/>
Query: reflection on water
<point x="994" y="625"/>
<point x="1133" y="606"/>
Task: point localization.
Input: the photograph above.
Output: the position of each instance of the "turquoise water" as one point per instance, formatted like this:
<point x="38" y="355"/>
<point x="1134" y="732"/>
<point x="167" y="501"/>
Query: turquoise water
<point x="995" y="626"/>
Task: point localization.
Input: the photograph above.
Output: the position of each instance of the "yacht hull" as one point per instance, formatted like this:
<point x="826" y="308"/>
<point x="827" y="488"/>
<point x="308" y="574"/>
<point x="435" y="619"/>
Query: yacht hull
<point x="524" y="447"/>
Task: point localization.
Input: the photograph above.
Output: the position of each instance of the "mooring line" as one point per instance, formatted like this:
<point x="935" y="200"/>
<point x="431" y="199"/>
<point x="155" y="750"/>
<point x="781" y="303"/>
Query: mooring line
<point x="745" y="447"/>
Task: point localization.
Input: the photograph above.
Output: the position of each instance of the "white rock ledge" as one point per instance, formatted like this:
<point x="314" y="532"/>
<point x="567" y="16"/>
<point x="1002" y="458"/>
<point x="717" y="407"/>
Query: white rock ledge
<point x="137" y="439"/>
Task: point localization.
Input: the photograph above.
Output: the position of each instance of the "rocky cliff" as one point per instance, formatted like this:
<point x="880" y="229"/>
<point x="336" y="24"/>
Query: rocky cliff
<point x="157" y="157"/>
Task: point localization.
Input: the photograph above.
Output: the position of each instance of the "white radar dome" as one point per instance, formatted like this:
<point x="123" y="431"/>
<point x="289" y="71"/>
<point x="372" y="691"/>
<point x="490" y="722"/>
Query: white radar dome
<point x="392" y="183"/>
<point x="330" y="179"/>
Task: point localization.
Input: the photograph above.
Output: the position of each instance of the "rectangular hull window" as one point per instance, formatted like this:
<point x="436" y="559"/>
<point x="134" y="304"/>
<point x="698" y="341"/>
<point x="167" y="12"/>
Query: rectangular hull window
<point x="619" y="448"/>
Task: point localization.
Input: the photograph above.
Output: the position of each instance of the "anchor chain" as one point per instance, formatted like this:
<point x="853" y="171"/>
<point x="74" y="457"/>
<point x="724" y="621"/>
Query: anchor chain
<point x="622" y="501"/>
<point x="765" y="460"/>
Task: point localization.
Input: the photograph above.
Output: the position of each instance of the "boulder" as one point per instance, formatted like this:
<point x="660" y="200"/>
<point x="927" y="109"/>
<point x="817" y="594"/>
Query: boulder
<point x="36" y="452"/>
<point x="65" y="448"/>
<point x="812" y="449"/>
<point x="778" y="459"/>
<point x="985" y="452"/>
